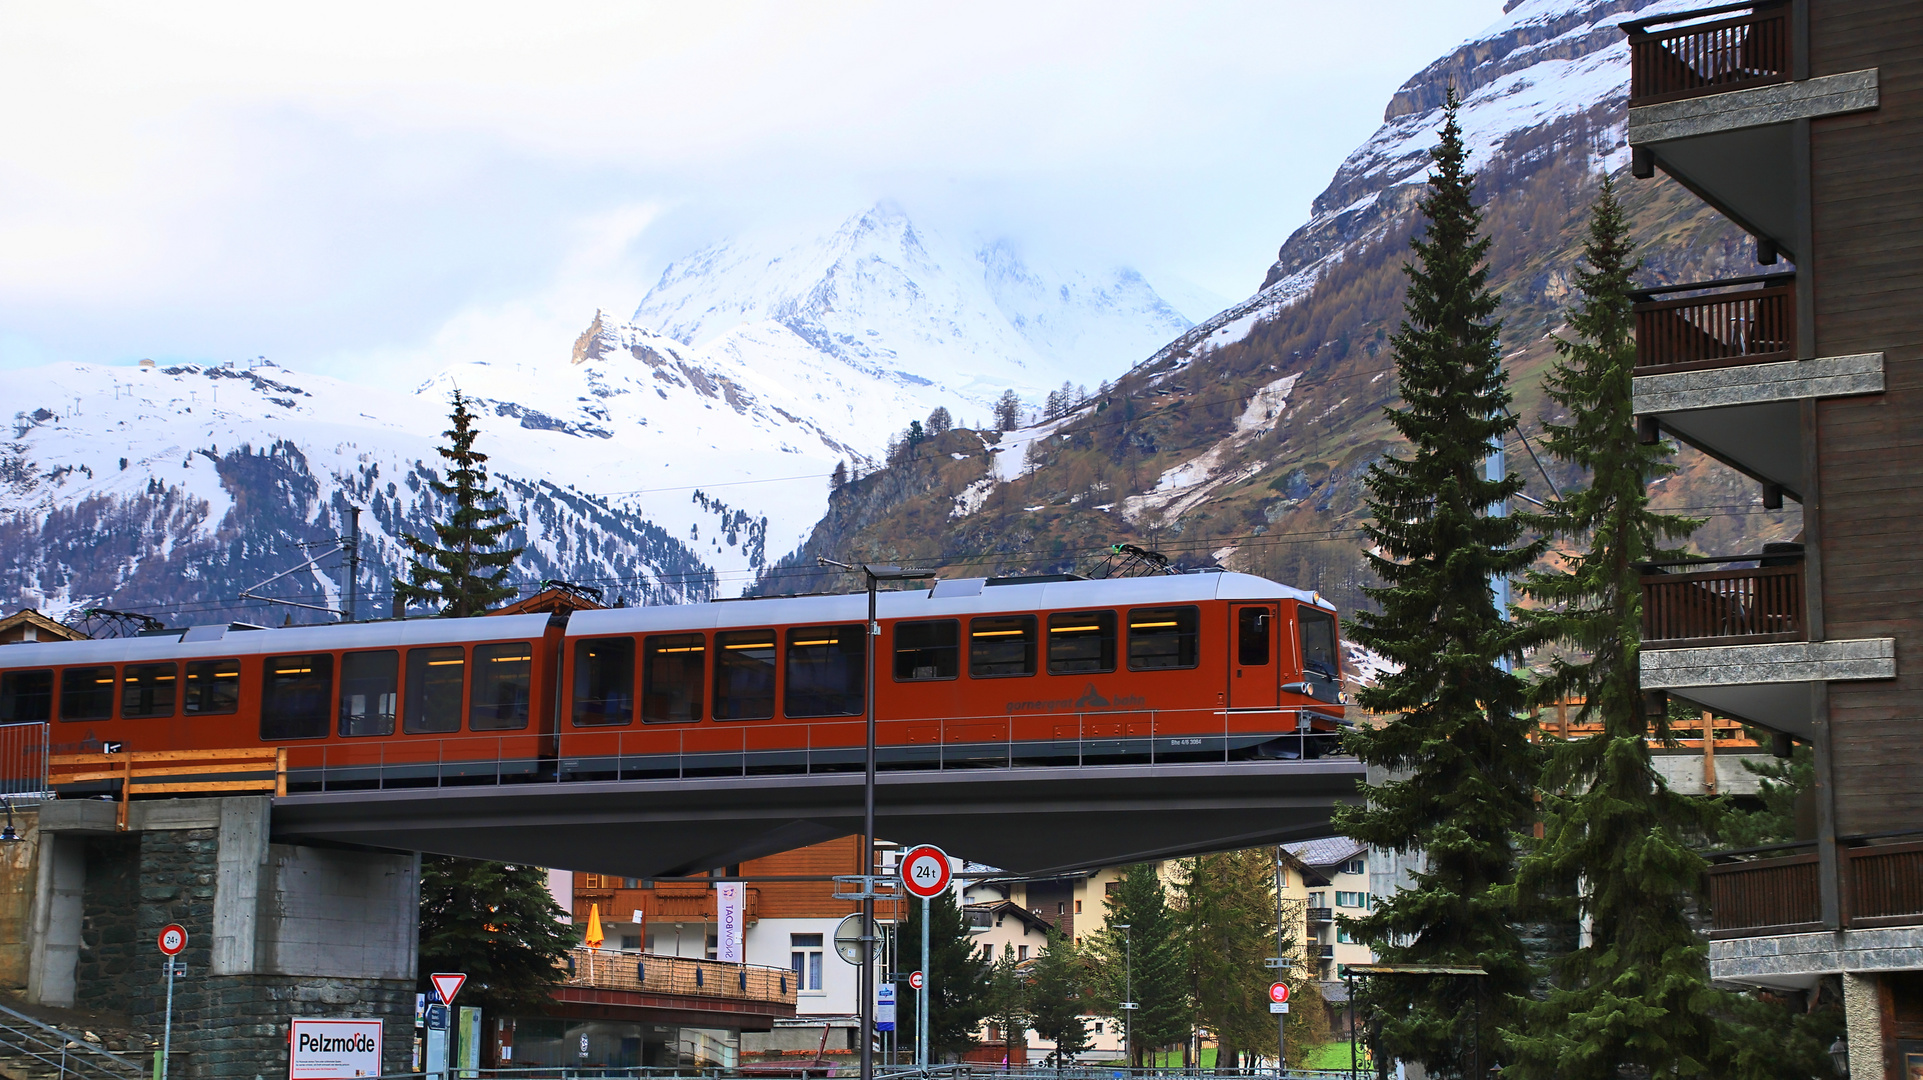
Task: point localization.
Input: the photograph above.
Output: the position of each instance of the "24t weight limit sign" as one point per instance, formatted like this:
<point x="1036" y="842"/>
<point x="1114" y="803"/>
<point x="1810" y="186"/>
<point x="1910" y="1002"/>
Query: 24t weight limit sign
<point x="924" y="871"/>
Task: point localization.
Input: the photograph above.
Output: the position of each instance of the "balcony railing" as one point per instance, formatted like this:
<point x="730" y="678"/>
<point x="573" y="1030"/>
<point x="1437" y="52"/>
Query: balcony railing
<point x="1882" y="886"/>
<point x="1668" y="62"/>
<point x="1321" y="915"/>
<point x="1885" y="884"/>
<point x="1766" y="896"/>
<point x="681" y="975"/>
<point x="1718" y="329"/>
<point x="1746" y="606"/>
<point x="1325" y="952"/>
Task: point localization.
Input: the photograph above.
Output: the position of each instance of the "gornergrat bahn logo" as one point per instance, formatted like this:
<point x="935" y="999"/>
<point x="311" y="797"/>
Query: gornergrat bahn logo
<point x="1091" y="700"/>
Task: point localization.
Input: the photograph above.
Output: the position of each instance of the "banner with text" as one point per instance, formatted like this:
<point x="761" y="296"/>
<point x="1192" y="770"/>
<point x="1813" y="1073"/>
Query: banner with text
<point x="728" y="902"/>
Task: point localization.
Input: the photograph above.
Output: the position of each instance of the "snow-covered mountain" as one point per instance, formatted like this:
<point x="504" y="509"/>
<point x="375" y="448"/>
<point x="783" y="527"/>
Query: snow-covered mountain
<point x="656" y="463"/>
<point x="899" y="302"/>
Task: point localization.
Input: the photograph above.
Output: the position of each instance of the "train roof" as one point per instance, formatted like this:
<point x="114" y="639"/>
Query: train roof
<point x="949" y="597"/>
<point x="201" y="641"/>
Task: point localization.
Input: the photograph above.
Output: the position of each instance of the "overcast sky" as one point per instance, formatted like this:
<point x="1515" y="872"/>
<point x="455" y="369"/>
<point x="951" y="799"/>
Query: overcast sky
<point x="372" y="189"/>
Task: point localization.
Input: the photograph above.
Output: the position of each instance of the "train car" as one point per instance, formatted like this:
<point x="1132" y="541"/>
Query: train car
<point x="365" y="704"/>
<point x="971" y="671"/>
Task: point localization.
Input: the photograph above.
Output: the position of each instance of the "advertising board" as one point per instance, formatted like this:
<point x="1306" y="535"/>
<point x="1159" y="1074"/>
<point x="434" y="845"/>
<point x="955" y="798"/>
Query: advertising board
<point x="333" y="1049"/>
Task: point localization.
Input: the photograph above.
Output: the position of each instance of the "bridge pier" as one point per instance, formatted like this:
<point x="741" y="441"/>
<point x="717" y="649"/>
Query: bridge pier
<point x="275" y="931"/>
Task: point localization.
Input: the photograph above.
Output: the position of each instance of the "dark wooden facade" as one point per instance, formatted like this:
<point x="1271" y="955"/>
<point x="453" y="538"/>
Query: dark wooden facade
<point x="1866" y="200"/>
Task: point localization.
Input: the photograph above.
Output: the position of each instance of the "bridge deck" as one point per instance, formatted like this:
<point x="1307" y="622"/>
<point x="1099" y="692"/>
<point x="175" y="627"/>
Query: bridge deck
<point x="1024" y="820"/>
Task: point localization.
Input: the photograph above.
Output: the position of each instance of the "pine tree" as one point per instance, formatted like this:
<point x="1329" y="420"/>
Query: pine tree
<point x="839" y="477"/>
<point x="957" y="977"/>
<point x="940" y="421"/>
<point x="1226" y="907"/>
<point x="1149" y="957"/>
<point x="463" y="571"/>
<point x="1008" y="411"/>
<point x="1454" y="744"/>
<point x="497" y="923"/>
<point x="1055" y="1003"/>
<point x="1006" y="1001"/>
<point x="1616" y="847"/>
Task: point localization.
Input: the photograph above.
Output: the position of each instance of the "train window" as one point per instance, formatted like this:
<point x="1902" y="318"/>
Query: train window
<point x="674" y="675"/>
<point x="744" y="675"/>
<point x="604" y="682"/>
<point x="370" y="685"/>
<point x="434" y="678"/>
<point x="87" y="693"/>
<point x="503" y="683"/>
<point x="296" y="696"/>
<point x="1081" y="642"/>
<point x="1001" y="645"/>
<point x="1318" y="644"/>
<point x="827" y="671"/>
<point x="26" y="697"/>
<point x="927" y="650"/>
<point x="147" y="690"/>
<point x="1254" y="628"/>
<point x="213" y="687"/>
<point x="1162" y="638"/>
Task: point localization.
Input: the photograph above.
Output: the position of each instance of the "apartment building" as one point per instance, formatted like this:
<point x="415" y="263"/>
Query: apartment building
<point x="1802" y="122"/>
<point x="1336" y="872"/>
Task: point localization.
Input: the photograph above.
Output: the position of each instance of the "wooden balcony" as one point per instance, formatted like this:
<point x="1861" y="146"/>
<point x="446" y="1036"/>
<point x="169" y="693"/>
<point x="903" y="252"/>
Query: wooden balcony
<point x="1745" y="606"/>
<point x="1730" y="327"/>
<point x="1885" y="884"/>
<point x="1750" y="46"/>
<point x="679" y="975"/>
<point x="1766" y="896"/>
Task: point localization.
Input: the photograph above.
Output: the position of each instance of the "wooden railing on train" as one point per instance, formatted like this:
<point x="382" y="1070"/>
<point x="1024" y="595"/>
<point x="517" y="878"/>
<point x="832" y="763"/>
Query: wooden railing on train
<point x="1716" y="329"/>
<point x="1751" y="48"/>
<point x="173" y="772"/>
<point x="1745" y="606"/>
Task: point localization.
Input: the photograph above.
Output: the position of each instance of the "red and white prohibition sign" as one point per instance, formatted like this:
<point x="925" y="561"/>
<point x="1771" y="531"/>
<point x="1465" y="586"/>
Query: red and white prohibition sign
<point x="173" y="938"/>
<point x="1279" y="993"/>
<point x="915" y="980"/>
<point x="924" y="871"/>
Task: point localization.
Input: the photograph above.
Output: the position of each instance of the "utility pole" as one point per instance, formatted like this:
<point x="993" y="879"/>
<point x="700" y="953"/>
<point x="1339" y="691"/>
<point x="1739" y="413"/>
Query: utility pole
<point x="1128" y="989"/>
<point x="353" y="546"/>
<point x="1281" y="1019"/>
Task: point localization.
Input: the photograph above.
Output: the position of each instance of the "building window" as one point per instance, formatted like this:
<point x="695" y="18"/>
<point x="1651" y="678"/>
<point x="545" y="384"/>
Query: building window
<point x="1351" y="899"/>
<point x="1355" y="866"/>
<point x="1318" y="899"/>
<point x="804" y="957"/>
<point x="1021" y="952"/>
<point x="630" y="942"/>
<point x="630" y="883"/>
<point x="1111" y="888"/>
<point x="1078" y="907"/>
<point x="1342" y="935"/>
<point x="714" y="946"/>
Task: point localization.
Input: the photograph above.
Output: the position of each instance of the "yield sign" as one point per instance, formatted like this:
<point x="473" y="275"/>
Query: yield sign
<point x="447" y="984"/>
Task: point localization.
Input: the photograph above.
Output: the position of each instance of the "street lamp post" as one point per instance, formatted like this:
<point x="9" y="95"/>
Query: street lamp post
<point x="874" y="575"/>
<point x="1128" y="989"/>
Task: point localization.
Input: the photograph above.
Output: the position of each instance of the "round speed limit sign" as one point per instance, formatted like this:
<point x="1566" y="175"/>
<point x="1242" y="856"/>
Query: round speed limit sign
<point x="173" y="938"/>
<point x="924" y="871"/>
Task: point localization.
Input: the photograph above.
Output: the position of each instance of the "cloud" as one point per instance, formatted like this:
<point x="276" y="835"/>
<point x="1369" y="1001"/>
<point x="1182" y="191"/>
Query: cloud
<point x="325" y="185"/>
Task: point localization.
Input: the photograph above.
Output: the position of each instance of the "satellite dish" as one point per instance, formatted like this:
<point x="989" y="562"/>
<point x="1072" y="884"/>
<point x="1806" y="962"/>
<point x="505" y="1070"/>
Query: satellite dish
<point x="848" y="940"/>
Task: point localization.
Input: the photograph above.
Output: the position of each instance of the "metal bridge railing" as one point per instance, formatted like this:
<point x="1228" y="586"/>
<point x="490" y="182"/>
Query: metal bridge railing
<point x="23" y="762"/>
<point x="39" y="1047"/>
<point x="1120" y="735"/>
<point x="882" y="1072"/>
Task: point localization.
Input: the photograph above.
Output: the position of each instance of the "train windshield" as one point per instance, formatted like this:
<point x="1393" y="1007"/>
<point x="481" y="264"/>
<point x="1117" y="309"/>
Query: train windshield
<point x="1321" y="663"/>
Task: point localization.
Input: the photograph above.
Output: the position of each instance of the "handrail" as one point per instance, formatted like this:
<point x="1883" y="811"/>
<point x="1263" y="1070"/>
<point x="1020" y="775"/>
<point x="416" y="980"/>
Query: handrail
<point x="118" y="1064"/>
<point x="1696" y="560"/>
<point x="1637" y="26"/>
<point x="158" y="772"/>
<point x="1780" y="277"/>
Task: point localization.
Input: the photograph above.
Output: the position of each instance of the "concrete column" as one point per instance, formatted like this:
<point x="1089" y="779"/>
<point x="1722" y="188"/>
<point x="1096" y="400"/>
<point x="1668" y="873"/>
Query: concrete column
<point x="58" y="889"/>
<point x="1863" y="1026"/>
<point x="242" y="855"/>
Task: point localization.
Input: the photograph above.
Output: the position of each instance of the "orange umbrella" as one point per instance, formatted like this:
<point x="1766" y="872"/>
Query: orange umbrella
<point x="594" y="938"/>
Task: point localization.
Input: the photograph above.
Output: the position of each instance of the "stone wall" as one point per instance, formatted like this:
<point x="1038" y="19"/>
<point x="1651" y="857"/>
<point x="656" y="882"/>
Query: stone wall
<point x="208" y="865"/>
<point x="17" y="869"/>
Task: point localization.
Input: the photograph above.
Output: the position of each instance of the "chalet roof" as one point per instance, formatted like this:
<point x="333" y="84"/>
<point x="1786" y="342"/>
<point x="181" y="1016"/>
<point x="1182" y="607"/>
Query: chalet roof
<point x="30" y="617"/>
<point x="1328" y="851"/>
<point x="549" y="601"/>
<point x="1029" y="919"/>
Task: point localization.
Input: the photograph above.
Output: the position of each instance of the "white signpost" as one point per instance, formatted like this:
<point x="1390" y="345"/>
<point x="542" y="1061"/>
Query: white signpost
<point x="925" y="872"/>
<point x="333" y="1049"/>
<point x="439" y="1039"/>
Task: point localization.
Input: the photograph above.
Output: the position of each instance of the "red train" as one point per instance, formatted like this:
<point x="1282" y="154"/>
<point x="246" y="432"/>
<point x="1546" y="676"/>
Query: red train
<point x="972" y="671"/>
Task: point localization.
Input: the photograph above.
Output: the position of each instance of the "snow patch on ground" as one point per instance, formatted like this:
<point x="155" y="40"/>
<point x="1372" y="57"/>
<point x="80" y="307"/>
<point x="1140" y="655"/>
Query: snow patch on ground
<point x="1187" y="485"/>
